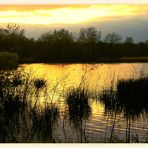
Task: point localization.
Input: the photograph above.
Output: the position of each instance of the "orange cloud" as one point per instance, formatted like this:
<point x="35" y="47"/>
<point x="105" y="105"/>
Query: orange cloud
<point x="67" y="14"/>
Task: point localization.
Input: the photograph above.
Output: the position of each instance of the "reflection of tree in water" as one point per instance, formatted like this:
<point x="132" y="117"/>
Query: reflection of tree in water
<point x="79" y="109"/>
<point x="129" y="99"/>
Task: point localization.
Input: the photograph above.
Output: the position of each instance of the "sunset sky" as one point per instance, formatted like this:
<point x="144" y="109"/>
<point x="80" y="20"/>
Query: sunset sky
<point x="127" y="20"/>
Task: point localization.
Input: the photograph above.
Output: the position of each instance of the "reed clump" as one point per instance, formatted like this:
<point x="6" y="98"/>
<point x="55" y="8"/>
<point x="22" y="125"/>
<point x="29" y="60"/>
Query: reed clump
<point x="78" y="104"/>
<point x="20" y="121"/>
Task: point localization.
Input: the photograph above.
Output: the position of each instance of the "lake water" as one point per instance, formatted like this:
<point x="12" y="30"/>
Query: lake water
<point x="95" y="78"/>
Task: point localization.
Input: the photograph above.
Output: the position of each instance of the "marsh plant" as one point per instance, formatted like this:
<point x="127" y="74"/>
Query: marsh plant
<point x="39" y="84"/>
<point x="130" y="99"/>
<point x="24" y="119"/>
<point x="43" y="122"/>
<point x="112" y="109"/>
<point x="79" y="109"/>
<point x="20" y="121"/>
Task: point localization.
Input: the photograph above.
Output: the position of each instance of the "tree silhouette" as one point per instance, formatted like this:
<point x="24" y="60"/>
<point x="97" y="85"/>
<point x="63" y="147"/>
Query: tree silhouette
<point x="129" y="40"/>
<point x="112" y="38"/>
<point x="64" y="46"/>
<point x="89" y="35"/>
<point x="57" y="36"/>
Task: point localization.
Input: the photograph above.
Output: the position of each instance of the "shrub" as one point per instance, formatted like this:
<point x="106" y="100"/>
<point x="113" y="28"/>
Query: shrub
<point x="8" y="60"/>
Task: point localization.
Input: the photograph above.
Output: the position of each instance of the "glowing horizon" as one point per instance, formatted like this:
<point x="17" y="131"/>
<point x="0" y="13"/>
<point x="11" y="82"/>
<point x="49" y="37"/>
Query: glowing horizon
<point x="67" y="14"/>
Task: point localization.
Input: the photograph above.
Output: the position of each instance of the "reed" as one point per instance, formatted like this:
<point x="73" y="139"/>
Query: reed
<point x="79" y="109"/>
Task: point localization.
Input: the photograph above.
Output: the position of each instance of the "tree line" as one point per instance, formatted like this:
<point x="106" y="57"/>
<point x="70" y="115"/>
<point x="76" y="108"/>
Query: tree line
<point x="64" y="46"/>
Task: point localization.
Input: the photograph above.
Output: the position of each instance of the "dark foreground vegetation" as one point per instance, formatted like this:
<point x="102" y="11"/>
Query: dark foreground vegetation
<point x="24" y="119"/>
<point x="130" y="99"/>
<point x="62" y="46"/>
<point x="8" y="60"/>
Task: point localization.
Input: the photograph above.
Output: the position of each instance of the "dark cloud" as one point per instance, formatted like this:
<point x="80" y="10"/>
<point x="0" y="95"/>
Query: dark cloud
<point x="136" y="28"/>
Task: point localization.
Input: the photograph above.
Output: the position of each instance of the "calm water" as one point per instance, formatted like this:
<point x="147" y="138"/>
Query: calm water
<point x="95" y="77"/>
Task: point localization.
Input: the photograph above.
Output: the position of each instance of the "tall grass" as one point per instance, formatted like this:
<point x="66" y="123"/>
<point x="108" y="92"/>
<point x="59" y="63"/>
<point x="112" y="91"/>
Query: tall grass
<point x="130" y="99"/>
<point x="79" y="109"/>
<point x="20" y="121"/>
<point x="24" y="120"/>
<point x="43" y="122"/>
<point x="133" y="94"/>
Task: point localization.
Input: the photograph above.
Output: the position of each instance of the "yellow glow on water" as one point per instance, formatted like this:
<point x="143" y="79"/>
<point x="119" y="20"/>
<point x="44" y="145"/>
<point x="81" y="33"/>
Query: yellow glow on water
<point x="68" y="14"/>
<point x="70" y="75"/>
<point x="96" y="77"/>
<point x="98" y="122"/>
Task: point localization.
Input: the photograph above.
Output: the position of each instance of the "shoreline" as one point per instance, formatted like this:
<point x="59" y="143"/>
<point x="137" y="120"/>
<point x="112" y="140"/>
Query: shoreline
<point x="105" y="61"/>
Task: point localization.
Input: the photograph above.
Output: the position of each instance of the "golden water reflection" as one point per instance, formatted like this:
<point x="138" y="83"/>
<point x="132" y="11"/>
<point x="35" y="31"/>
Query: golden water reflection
<point x="95" y="77"/>
<point x="71" y="75"/>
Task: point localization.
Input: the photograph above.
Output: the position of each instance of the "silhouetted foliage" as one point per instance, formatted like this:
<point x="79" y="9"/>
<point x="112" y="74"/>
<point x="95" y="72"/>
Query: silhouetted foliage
<point x="78" y="105"/>
<point x="130" y="98"/>
<point x="109" y="99"/>
<point x="20" y="121"/>
<point x="133" y="94"/>
<point x="8" y="60"/>
<point x="39" y="83"/>
<point x="129" y="40"/>
<point x="89" y="35"/>
<point x="63" y="46"/>
<point x="44" y="121"/>
<point x="112" y="38"/>
<point x="79" y="109"/>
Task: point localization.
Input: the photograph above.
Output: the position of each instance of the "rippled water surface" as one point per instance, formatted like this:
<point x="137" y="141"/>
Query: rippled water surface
<point x="95" y="78"/>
